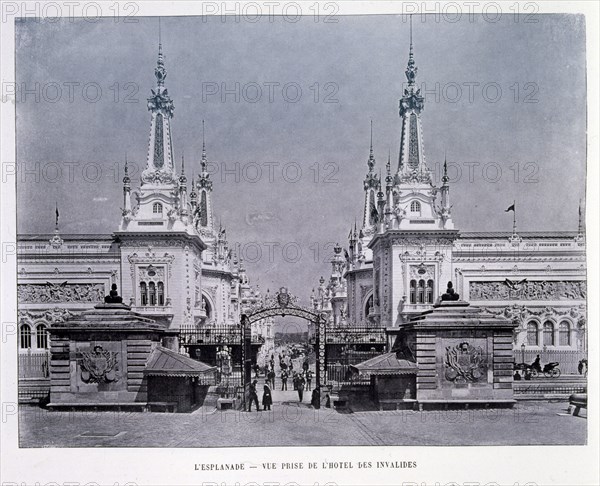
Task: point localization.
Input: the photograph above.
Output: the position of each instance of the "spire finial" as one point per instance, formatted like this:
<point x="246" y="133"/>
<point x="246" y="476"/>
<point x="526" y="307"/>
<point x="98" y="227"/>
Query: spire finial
<point x="56" y="222"/>
<point x="371" y="161"/>
<point x="389" y="162"/>
<point x="411" y="69"/>
<point x="203" y="149"/>
<point x="445" y="177"/>
<point x="581" y="220"/>
<point x="182" y="163"/>
<point x="160" y="72"/>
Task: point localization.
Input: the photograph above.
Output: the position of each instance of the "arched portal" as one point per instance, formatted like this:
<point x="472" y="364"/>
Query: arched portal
<point x="285" y="304"/>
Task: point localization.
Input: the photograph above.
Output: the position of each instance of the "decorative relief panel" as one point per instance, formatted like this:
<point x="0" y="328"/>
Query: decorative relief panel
<point x="465" y="363"/>
<point x="51" y="315"/>
<point x="528" y="290"/>
<point x="425" y="272"/>
<point x="422" y="242"/>
<point x="63" y="292"/>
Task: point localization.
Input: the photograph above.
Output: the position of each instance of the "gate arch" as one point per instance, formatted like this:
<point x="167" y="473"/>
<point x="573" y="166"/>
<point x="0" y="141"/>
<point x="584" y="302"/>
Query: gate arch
<point x="284" y="304"/>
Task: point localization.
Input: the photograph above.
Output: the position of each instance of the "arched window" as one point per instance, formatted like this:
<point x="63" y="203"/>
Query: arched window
<point x="25" y="336"/>
<point x="161" y="293"/>
<point x="430" y="291"/>
<point x="152" y="293"/>
<point x="415" y="207"/>
<point x="369" y="306"/>
<point x="413" y="291"/>
<point x="564" y="333"/>
<point x="157" y="208"/>
<point x="548" y="333"/>
<point x="421" y="292"/>
<point x="41" y="336"/>
<point x="532" y="333"/>
<point x="143" y="293"/>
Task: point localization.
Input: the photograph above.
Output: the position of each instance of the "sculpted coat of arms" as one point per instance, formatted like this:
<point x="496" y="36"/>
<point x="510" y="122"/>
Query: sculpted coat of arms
<point x="465" y="363"/>
<point x="283" y="298"/>
<point x="99" y="366"/>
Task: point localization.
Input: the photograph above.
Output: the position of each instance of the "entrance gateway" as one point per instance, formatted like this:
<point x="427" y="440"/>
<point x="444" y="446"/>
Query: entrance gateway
<point x="284" y="304"/>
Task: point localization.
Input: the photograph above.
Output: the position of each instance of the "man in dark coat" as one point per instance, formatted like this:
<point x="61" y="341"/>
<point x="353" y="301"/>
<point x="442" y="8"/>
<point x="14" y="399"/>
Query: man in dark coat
<point x="252" y="396"/>
<point x="284" y="378"/>
<point x="315" y="400"/>
<point x="271" y="378"/>
<point x="300" y="388"/>
<point x="267" y="399"/>
<point x="309" y="375"/>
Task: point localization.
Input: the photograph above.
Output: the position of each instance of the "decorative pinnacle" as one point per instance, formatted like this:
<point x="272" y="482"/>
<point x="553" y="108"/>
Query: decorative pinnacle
<point x="160" y="72"/>
<point x="411" y="69"/>
<point x="445" y="177"/>
<point x="126" y="179"/>
<point x="581" y="228"/>
<point x="371" y="161"/>
<point x="203" y="150"/>
<point x="388" y="165"/>
<point x="182" y="177"/>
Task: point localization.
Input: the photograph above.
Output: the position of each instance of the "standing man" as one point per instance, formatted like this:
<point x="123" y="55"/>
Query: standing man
<point x="300" y="388"/>
<point x="252" y="396"/>
<point x="284" y="378"/>
<point x="271" y="377"/>
<point x="309" y="374"/>
<point x="267" y="399"/>
<point x="305" y="365"/>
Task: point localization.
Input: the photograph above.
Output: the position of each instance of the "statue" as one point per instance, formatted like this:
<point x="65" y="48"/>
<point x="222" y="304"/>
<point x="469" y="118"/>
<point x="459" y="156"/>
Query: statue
<point x="450" y="293"/>
<point x="113" y="297"/>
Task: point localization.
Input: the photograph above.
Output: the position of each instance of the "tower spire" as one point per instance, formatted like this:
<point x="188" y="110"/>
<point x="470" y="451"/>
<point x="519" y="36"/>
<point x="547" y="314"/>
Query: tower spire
<point x="445" y="177"/>
<point x="411" y="69"/>
<point x="160" y="72"/>
<point x="371" y="161"/>
<point x="203" y="162"/>
<point x="160" y="167"/>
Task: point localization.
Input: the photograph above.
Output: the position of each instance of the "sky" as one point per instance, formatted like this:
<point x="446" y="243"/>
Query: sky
<point x="506" y="101"/>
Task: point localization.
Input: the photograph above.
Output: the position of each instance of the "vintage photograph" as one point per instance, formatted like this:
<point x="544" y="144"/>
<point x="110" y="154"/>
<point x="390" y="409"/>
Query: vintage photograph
<point x="303" y="229"/>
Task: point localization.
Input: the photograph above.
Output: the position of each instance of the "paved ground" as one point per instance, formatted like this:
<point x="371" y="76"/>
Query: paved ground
<point x="293" y="424"/>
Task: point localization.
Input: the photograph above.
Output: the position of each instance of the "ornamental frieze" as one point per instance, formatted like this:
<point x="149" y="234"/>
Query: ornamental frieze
<point x="58" y="293"/>
<point x="154" y="243"/>
<point x="51" y="316"/>
<point x="528" y="290"/>
<point x="422" y="242"/>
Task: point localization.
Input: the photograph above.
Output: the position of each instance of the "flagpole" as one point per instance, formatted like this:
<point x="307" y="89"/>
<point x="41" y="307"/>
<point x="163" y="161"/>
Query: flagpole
<point x="514" y="218"/>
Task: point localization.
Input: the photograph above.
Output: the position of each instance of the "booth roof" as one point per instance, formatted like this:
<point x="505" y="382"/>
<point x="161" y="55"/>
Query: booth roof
<point x="164" y="362"/>
<point x="386" y="364"/>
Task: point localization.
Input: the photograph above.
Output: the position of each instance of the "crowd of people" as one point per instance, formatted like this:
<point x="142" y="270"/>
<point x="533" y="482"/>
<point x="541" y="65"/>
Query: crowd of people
<point x="301" y="382"/>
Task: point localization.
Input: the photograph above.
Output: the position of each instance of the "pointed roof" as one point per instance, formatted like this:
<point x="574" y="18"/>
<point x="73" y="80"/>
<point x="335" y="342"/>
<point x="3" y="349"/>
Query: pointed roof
<point x="386" y="364"/>
<point x="164" y="362"/>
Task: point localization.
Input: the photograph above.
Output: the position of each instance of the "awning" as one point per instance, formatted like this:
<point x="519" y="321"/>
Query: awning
<point x="385" y="364"/>
<point x="164" y="362"/>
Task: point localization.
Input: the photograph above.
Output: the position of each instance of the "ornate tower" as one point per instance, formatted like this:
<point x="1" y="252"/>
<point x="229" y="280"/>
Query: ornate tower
<point x="161" y="250"/>
<point x="162" y="196"/>
<point x="371" y="185"/>
<point x="204" y="214"/>
<point x="412" y="249"/>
